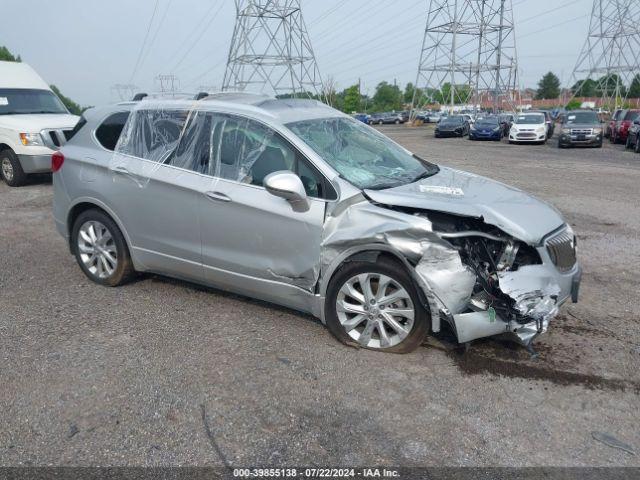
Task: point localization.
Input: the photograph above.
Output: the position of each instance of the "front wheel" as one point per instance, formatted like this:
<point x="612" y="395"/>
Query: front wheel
<point x="376" y="306"/>
<point x="100" y="249"/>
<point x="11" y="170"/>
<point x="627" y="144"/>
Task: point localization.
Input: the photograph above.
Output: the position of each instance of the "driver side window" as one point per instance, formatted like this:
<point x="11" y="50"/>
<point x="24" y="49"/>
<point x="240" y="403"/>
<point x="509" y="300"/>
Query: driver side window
<point x="249" y="151"/>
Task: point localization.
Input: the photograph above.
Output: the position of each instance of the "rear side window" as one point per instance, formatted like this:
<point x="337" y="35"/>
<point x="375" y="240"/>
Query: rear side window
<point x="108" y="133"/>
<point x="631" y="115"/>
<point x="72" y="133"/>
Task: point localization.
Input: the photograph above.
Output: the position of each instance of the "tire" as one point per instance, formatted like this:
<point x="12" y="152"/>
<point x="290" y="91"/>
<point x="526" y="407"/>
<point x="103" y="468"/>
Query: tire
<point x="11" y="170"/>
<point x="376" y="320"/>
<point x="636" y="148"/>
<point x="123" y="270"/>
<point x="627" y="144"/>
<point x="397" y="122"/>
<point x="380" y="122"/>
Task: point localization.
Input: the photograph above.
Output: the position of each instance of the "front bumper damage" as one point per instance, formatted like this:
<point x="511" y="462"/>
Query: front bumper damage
<point x="534" y="293"/>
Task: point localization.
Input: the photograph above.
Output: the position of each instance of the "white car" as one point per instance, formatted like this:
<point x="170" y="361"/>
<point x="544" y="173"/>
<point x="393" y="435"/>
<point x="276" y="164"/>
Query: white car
<point x="33" y="123"/>
<point x="529" y="128"/>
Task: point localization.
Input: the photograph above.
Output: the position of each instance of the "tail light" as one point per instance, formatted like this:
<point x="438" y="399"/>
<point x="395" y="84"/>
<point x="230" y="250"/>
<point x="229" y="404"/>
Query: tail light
<point x="57" y="159"/>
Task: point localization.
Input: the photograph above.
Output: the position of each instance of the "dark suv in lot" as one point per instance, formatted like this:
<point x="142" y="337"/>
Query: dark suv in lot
<point x="580" y="127"/>
<point x="633" y="136"/>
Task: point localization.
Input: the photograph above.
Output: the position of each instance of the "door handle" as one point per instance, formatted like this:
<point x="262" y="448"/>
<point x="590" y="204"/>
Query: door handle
<point x="121" y="169"/>
<point x="217" y="196"/>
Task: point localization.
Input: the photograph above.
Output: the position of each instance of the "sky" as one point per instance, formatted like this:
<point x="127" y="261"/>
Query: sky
<point x="85" y="47"/>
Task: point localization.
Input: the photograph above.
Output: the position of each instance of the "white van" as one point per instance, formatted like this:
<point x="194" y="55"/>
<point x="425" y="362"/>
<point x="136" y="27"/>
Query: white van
<point x="33" y="123"/>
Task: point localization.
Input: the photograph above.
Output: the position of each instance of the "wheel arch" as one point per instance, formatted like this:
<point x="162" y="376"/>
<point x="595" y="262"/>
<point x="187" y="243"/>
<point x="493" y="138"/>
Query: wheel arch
<point x="6" y="146"/>
<point x="84" y="204"/>
<point x="370" y="253"/>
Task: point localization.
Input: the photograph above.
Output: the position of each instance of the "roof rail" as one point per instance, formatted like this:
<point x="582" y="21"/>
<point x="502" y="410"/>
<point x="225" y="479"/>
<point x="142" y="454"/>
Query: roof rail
<point x="139" y="96"/>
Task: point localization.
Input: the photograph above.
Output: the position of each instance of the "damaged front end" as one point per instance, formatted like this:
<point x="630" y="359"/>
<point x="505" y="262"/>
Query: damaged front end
<point x="480" y="280"/>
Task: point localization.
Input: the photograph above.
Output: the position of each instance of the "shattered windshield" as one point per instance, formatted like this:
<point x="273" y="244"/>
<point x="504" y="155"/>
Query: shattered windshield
<point x="361" y="155"/>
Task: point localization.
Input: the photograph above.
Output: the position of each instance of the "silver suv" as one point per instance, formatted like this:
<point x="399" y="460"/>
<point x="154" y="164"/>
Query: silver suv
<point x="293" y="202"/>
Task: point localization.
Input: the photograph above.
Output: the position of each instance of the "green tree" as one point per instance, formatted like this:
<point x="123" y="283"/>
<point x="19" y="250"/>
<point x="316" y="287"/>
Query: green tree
<point x="387" y="97"/>
<point x="548" y="87"/>
<point x="352" y="100"/>
<point x="634" y="89"/>
<point x="410" y="92"/>
<point x="7" y="56"/>
<point x="72" y="106"/>
<point x="585" y="88"/>
<point x="610" y="84"/>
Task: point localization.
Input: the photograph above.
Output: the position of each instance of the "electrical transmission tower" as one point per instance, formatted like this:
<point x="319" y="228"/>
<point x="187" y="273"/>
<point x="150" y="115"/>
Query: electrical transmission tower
<point x="469" y="53"/>
<point x="271" y="51"/>
<point x="168" y="83"/>
<point x="610" y="58"/>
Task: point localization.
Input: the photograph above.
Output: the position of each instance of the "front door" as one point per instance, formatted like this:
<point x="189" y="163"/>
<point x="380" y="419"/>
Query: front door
<point x="253" y="242"/>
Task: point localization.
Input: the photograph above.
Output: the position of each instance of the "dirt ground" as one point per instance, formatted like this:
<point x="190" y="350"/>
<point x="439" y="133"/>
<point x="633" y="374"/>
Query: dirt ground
<point x="162" y="372"/>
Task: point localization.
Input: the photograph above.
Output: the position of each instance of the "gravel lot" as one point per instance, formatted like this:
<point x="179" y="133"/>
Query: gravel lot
<point x="163" y="372"/>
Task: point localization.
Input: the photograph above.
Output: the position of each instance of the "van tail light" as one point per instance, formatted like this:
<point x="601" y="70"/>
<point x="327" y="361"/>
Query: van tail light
<point x="57" y="159"/>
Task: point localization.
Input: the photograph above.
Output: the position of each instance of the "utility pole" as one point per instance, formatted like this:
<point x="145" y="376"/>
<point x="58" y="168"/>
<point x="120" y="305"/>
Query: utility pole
<point x="469" y="42"/>
<point x="612" y="49"/>
<point x="271" y="51"/>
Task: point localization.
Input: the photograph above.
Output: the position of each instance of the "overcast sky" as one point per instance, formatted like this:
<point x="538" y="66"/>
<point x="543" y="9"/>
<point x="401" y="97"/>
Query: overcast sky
<point x="86" y="46"/>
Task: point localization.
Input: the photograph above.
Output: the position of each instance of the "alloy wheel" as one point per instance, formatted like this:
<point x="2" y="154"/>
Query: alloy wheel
<point x="97" y="249"/>
<point x="7" y="169"/>
<point x="375" y="310"/>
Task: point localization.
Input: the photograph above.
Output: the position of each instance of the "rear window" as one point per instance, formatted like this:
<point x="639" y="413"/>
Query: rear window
<point x="108" y="133"/>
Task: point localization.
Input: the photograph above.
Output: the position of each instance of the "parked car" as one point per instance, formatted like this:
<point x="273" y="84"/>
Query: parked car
<point x="633" y="136"/>
<point x="469" y="118"/>
<point x="580" y="127"/>
<point x="551" y="125"/>
<point x="486" y="128"/>
<point x="386" y="118"/>
<point x="362" y="117"/>
<point x="528" y="128"/>
<point x="621" y="128"/>
<point x="506" y="119"/>
<point x="453" y="126"/>
<point x="295" y="203"/>
<point x="611" y="125"/>
<point x="434" y="117"/>
<point x="33" y="123"/>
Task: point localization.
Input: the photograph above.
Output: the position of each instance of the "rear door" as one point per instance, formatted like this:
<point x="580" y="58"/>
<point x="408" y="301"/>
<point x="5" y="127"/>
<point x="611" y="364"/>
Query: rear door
<point x="252" y="241"/>
<point x="154" y="190"/>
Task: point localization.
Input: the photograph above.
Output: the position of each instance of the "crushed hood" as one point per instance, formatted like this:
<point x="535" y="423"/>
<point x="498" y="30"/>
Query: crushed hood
<point x="461" y="193"/>
<point x="33" y="123"/>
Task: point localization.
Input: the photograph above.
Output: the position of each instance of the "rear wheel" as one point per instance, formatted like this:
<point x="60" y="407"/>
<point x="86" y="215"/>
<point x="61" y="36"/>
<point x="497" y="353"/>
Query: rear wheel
<point x="100" y="249"/>
<point x="627" y="144"/>
<point x="11" y="170"/>
<point x="636" y="147"/>
<point x="376" y="306"/>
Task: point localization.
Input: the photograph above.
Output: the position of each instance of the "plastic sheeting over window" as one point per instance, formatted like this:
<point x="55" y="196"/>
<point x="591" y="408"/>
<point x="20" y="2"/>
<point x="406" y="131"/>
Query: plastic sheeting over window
<point x="222" y="146"/>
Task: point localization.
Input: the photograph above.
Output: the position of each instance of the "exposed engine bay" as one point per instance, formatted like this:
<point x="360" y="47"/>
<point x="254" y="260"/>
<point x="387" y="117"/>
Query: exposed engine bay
<point x="480" y="280"/>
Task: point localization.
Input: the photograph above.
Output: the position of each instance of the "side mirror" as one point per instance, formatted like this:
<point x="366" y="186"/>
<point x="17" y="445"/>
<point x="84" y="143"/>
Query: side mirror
<point x="287" y="185"/>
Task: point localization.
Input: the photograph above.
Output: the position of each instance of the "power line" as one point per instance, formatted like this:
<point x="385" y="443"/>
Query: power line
<point x="155" y="35"/>
<point x="144" y="42"/>
<point x="197" y="39"/>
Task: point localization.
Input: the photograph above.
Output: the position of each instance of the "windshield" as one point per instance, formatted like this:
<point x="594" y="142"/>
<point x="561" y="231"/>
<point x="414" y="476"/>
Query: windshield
<point x="530" y="119"/>
<point x="583" y="117"/>
<point x="487" y="122"/>
<point x="631" y="115"/>
<point x="452" y="120"/>
<point x="362" y="156"/>
<point x="16" y="101"/>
